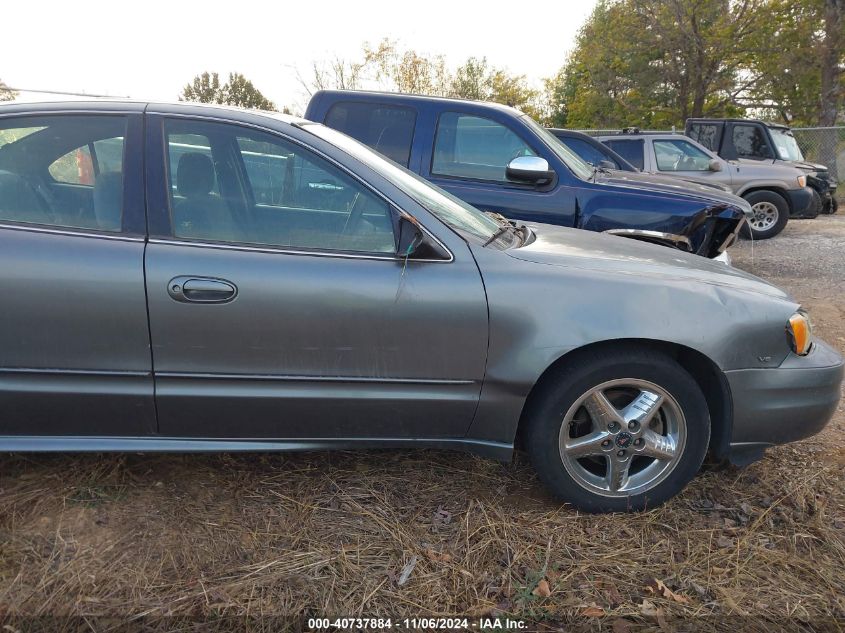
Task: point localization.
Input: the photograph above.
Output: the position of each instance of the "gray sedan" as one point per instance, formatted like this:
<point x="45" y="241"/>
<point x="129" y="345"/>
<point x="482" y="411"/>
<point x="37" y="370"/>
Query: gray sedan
<point x="197" y="278"/>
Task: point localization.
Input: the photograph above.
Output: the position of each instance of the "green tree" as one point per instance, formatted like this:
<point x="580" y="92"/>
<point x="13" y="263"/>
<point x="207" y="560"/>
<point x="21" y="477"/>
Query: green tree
<point x="654" y="63"/>
<point x="6" y="94"/>
<point x="204" y="88"/>
<point x="476" y="79"/>
<point x="237" y="91"/>
<point x="801" y="65"/>
<point x="407" y="70"/>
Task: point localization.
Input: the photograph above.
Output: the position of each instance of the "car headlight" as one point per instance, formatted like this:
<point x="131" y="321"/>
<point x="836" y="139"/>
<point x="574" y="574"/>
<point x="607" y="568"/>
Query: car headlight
<point x="799" y="331"/>
<point x="802" y="181"/>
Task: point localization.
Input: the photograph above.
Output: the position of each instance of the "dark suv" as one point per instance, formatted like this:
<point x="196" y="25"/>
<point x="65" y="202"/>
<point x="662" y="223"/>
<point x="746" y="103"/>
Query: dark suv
<point x="753" y="140"/>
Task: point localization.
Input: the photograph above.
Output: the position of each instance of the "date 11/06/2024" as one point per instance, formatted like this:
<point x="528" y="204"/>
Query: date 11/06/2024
<point x="446" y="624"/>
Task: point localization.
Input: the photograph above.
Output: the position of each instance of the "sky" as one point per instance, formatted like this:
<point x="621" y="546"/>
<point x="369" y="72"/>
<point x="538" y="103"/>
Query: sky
<point x="154" y="49"/>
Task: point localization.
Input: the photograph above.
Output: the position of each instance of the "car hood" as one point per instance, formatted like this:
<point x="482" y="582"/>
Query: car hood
<point x="586" y="250"/>
<point x="670" y="184"/>
<point x="765" y="166"/>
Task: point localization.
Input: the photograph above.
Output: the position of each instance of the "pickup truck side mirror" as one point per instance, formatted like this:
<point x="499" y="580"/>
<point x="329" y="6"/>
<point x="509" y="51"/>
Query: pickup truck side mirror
<point x="714" y="165"/>
<point x="529" y="169"/>
<point x="415" y="243"/>
<point x="607" y="164"/>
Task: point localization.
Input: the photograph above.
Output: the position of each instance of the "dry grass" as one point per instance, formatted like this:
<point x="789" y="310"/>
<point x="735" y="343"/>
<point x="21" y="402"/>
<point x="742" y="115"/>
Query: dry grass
<point x="335" y="534"/>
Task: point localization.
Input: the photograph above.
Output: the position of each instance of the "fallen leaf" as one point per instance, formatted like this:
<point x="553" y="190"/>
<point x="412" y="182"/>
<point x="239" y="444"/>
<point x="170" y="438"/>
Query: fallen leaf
<point x="442" y="517"/>
<point x="731" y="602"/>
<point x="406" y="571"/>
<point x="542" y="590"/>
<point x="613" y="596"/>
<point x="437" y="557"/>
<point x="593" y="611"/>
<point x="659" y="587"/>
<point x="648" y="609"/>
<point x="621" y="626"/>
<point x="724" y="541"/>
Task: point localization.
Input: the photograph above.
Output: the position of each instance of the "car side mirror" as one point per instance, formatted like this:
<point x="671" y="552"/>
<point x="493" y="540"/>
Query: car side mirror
<point x="606" y="164"/>
<point x="415" y="243"/>
<point x="529" y="169"/>
<point x="714" y="165"/>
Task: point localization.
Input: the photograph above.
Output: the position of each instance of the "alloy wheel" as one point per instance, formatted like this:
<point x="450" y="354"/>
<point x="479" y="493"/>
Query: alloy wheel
<point x="622" y="437"/>
<point x="765" y="216"/>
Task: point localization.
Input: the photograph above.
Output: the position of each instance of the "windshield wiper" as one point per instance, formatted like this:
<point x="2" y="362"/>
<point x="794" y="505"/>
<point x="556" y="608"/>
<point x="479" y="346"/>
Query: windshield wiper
<point x="597" y="169"/>
<point x="500" y="232"/>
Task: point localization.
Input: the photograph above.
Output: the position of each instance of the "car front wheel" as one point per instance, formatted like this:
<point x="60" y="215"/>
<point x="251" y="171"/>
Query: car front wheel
<point x="771" y="213"/>
<point x="618" y="432"/>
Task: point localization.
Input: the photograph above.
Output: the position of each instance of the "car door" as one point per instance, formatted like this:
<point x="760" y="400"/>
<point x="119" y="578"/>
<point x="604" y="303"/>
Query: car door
<point x="74" y="342"/>
<point x="468" y="158"/>
<point x="278" y="306"/>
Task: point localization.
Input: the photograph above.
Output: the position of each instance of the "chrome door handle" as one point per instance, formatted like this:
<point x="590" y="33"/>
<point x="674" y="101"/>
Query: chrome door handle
<point x="189" y="289"/>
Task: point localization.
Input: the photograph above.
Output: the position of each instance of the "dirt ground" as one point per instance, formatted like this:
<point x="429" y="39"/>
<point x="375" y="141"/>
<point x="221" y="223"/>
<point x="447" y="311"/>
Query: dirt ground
<point x="411" y="534"/>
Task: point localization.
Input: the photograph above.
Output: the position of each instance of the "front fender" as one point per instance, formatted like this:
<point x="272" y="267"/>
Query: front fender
<point x="709" y="226"/>
<point x="573" y="307"/>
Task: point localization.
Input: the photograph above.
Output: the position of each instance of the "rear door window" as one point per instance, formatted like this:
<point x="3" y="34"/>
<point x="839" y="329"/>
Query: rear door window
<point x="63" y="171"/>
<point x="387" y="129"/>
<point x="629" y="149"/>
<point x="707" y="134"/>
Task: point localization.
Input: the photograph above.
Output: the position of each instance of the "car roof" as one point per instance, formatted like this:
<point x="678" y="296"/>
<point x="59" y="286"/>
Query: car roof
<point x="407" y="99"/>
<point x="132" y="105"/>
<point x="733" y="120"/>
<point x="559" y="131"/>
<point x="640" y="135"/>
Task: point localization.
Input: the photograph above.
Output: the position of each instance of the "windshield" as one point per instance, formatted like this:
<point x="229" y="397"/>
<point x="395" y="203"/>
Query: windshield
<point x="786" y="144"/>
<point x="454" y="212"/>
<point x="578" y="165"/>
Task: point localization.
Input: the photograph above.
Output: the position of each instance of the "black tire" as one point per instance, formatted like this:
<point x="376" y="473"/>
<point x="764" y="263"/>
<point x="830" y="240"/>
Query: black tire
<point x="562" y="392"/>
<point x="780" y="204"/>
<point x="830" y="206"/>
<point x="815" y="207"/>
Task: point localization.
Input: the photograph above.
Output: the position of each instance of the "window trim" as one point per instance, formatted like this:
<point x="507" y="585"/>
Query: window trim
<point x="157" y="238"/>
<point x="509" y="184"/>
<point x="378" y="104"/>
<point x="134" y="221"/>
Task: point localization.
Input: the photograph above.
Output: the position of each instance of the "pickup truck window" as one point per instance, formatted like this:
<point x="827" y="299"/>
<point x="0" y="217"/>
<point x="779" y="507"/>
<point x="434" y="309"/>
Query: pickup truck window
<point x="629" y="149"/>
<point x="468" y="146"/>
<point x="677" y="155"/>
<point x="387" y="129"/>
<point x="750" y="142"/>
<point x="453" y="212"/>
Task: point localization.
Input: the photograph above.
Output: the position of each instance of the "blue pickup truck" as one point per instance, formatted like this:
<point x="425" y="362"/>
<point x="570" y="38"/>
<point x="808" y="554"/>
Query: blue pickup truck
<point x="500" y="160"/>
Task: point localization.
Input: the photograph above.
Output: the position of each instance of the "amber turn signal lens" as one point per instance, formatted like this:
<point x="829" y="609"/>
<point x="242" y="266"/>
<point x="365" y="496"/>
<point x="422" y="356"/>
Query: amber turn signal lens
<point x="800" y="334"/>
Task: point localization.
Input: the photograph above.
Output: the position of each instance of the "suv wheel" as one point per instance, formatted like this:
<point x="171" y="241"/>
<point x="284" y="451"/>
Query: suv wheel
<point x="771" y="213"/>
<point x="619" y="431"/>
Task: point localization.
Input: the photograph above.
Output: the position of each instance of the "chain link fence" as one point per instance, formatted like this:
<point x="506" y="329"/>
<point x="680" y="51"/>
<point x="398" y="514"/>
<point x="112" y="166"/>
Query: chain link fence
<point x="824" y="145"/>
